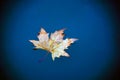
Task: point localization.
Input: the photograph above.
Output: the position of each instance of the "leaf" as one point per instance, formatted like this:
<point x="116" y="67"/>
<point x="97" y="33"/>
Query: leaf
<point x="55" y="44"/>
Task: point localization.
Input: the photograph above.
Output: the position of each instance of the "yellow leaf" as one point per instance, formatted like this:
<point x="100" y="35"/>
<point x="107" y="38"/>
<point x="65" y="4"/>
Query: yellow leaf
<point x="55" y="44"/>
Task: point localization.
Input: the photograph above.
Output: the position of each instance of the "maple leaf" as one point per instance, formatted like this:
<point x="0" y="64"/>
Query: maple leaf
<point x="55" y="44"/>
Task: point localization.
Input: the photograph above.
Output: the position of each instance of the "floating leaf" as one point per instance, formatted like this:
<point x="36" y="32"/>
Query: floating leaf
<point x="55" y="44"/>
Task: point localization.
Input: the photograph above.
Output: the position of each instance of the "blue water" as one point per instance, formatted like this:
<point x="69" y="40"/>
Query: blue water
<point x="90" y="56"/>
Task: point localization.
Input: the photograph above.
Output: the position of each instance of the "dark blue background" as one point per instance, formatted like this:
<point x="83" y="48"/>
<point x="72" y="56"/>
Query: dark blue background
<point x="90" y="57"/>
